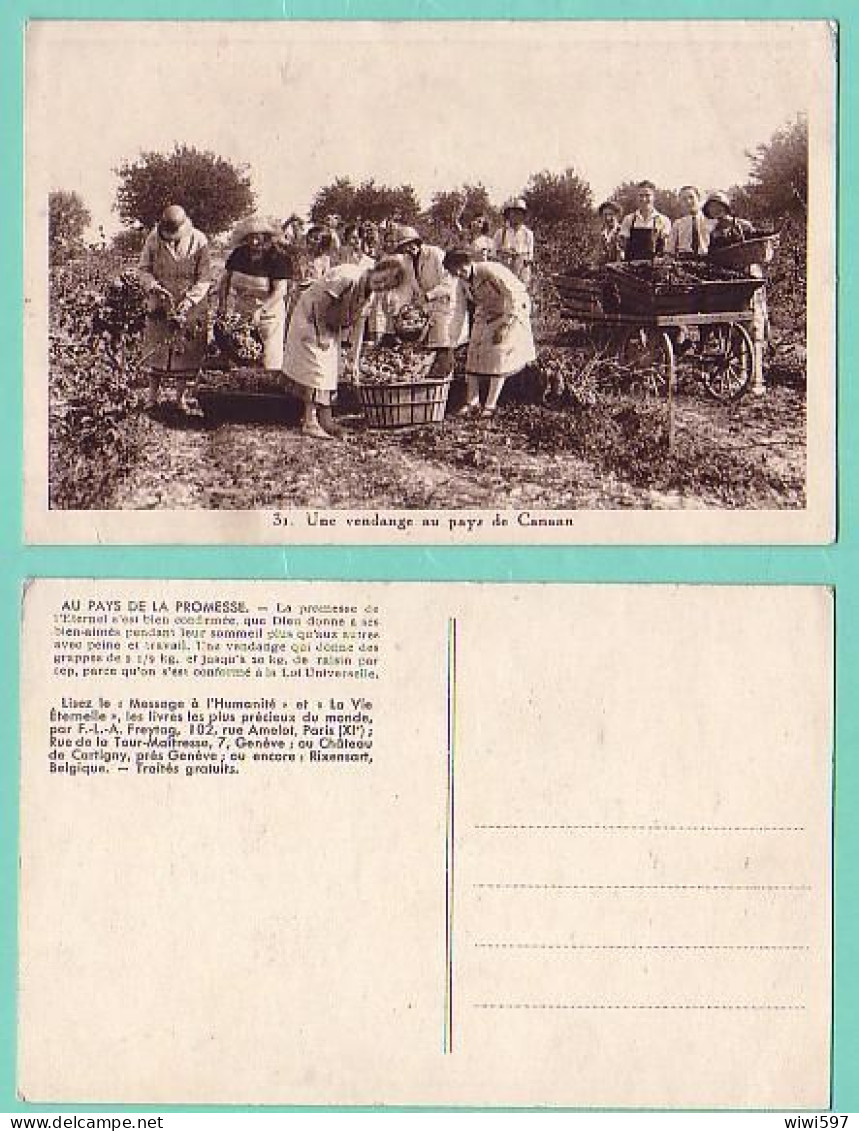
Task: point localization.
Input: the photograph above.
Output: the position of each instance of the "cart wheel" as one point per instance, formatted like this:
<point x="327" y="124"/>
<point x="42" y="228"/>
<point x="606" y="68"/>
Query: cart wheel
<point x="648" y="357"/>
<point x="726" y="361"/>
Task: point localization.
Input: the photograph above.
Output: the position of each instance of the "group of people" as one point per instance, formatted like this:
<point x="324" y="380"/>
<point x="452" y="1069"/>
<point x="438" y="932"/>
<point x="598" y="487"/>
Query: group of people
<point x="310" y="295"/>
<point x="706" y="224"/>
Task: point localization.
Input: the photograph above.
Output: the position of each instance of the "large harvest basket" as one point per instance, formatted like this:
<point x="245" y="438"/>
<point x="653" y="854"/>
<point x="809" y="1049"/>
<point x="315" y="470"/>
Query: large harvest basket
<point x="403" y="403"/>
<point x="755" y="252"/>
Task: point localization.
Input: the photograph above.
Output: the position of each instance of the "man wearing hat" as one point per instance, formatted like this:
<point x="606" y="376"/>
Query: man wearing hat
<point x="427" y="283"/>
<point x="175" y="271"/>
<point x="514" y="241"/>
<point x="609" y="213"/>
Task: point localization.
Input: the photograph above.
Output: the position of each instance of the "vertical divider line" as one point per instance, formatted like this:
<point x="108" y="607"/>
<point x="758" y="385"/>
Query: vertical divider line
<point x="450" y="831"/>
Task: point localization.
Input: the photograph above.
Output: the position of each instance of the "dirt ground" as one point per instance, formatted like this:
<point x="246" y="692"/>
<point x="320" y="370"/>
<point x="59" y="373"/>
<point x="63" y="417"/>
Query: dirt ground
<point x="748" y="454"/>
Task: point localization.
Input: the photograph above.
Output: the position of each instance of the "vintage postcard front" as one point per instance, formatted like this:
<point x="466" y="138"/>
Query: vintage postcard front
<point x="430" y="282"/>
<point x="300" y="843"/>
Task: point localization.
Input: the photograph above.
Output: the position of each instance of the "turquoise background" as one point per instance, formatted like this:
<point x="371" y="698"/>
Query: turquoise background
<point x="836" y="565"/>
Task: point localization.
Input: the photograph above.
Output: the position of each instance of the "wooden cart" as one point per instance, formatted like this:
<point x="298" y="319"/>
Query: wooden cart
<point x="648" y="329"/>
<point x="715" y="348"/>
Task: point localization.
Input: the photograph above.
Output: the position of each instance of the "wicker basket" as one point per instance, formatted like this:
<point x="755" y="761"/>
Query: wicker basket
<point x="750" y="253"/>
<point x="404" y="403"/>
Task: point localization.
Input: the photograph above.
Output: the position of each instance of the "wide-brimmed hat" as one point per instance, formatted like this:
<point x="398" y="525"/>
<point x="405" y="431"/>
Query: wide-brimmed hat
<point x="610" y="206"/>
<point x="407" y="235"/>
<point x="717" y="198"/>
<point x="518" y="204"/>
<point x="254" y="226"/>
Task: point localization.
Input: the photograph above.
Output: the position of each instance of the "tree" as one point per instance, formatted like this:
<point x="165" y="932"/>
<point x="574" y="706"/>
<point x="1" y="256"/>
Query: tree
<point x="446" y="220"/>
<point x="68" y="218"/>
<point x="128" y="241"/>
<point x="336" y="199"/>
<point x="552" y="197"/>
<point x="214" y="192"/>
<point x="666" y="200"/>
<point x="463" y="203"/>
<point x="560" y="211"/>
<point x="366" y="201"/>
<point x="778" y="177"/>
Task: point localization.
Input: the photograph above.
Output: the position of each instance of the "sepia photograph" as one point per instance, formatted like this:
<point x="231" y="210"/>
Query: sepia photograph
<point x="430" y="282"/>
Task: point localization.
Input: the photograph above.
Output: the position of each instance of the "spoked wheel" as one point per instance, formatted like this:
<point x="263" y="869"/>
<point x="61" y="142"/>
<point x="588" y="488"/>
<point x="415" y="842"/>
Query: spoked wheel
<point x="725" y="360"/>
<point x="648" y="357"/>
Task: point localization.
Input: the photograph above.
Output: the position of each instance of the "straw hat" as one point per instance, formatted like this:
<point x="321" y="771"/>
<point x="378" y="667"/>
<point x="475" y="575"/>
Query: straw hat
<point x="518" y="204"/>
<point x="254" y="226"/>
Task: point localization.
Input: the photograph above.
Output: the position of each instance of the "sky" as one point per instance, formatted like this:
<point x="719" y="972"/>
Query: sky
<point x="431" y="104"/>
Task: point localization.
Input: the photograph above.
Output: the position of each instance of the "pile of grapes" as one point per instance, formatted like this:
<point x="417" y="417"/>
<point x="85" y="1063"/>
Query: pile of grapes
<point x="386" y="365"/>
<point x="238" y="338"/>
<point x="672" y="274"/>
<point x="410" y="323"/>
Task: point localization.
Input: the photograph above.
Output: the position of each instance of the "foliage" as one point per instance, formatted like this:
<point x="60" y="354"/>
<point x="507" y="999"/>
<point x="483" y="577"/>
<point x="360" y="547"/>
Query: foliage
<point x="238" y="338"/>
<point x="68" y="218"/>
<point x="612" y="449"/>
<point x="775" y="197"/>
<point x="560" y="211"/>
<point x="93" y="343"/>
<point x="778" y="180"/>
<point x="558" y="197"/>
<point x="213" y="191"/>
<point x="365" y="201"/>
<point x="461" y="204"/>
<point x="128" y="241"/>
<point x="628" y="437"/>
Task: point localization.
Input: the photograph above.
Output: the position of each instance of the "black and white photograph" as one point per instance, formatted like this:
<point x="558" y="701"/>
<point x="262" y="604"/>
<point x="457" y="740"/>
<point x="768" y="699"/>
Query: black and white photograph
<point x="430" y="282"/>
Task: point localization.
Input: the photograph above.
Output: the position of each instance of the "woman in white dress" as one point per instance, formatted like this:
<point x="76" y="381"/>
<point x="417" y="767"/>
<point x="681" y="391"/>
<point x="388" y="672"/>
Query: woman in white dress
<point x="501" y="342"/>
<point x="313" y="356"/>
<point x="429" y="285"/>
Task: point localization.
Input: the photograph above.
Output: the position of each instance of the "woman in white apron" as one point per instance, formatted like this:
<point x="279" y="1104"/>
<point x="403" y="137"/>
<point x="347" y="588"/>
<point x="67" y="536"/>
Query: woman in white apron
<point x="428" y="284"/>
<point x="254" y="284"/>
<point x="501" y="343"/>
<point x="313" y="355"/>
